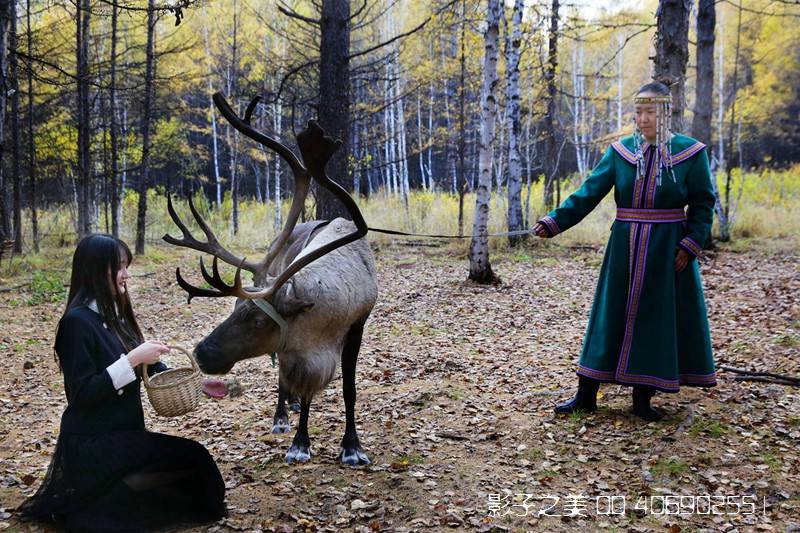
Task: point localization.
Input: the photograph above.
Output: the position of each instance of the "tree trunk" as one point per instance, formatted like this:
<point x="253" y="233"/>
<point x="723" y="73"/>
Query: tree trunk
<point x="729" y="149"/>
<point x="213" y="112"/>
<point x="448" y="126"/>
<point x="334" y="99"/>
<point x="84" y="126"/>
<point x="277" y="125"/>
<point x="402" y="149"/>
<point x="462" y="132"/>
<point x="672" y="52"/>
<point x="530" y="153"/>
<point x="550" y="117"/>
<point x="724" y="226"/>
<point x="721" y="94"/>
<point x="123" y="178"/>
<point x="704" y="101"/>
<point x="233" y="75"/>
<point x="388" y="129"/>
<point x="422" y="177"/>
<point x="114" y="192"/>
<point x="15" y="174"/>
<point x="480" y="269"/>
<point x="514" y="186"/>
<point x="7" y="12"/>
<point x="431" y="184"/>
<point x="31" y="142"/>
<point x="579" y="125"/>
<point x="149" y="97"/>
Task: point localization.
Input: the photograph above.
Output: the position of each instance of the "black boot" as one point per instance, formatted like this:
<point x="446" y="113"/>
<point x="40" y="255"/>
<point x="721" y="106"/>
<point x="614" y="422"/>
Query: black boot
<point x="585" y="399"/>
<point x="641" y="403"/>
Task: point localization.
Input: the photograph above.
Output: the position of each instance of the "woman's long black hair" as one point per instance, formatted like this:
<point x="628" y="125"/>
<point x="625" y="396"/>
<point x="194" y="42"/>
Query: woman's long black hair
<point x="97" y="256"/>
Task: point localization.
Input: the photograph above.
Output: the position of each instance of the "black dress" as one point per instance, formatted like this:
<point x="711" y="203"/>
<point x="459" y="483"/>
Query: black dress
<point x="108" y="473"/>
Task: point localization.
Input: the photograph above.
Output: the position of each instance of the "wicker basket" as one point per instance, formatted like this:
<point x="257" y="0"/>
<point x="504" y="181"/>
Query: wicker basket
<point x="176" y="391"/>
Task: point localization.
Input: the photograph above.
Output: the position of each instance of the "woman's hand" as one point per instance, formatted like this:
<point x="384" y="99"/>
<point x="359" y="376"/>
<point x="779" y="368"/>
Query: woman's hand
<point x="540" y="231"/>
<point x="682" y="259"/>
<point x="149" y="352"/>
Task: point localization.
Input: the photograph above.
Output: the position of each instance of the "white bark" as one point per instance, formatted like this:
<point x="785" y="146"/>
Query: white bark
<point x="431" y="183"/>
<point x="479" y="266"/>
<point x="401" y="140"/>
<point x="277" y="128"/>
<point x="277" y="125"/>
<point x="422" y="176"/>
<point x="514" y="187"/>
<point x="724" y="226"/>
<point x="213" y="111"/>
<point x="498" y="163"/>
<point x="448" y="127"/>
<point x="578" y="109"/>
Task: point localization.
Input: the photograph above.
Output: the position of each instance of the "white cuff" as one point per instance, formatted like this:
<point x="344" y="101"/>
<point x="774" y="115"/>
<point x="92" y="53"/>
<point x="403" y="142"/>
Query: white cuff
<point x="121" y="372"/>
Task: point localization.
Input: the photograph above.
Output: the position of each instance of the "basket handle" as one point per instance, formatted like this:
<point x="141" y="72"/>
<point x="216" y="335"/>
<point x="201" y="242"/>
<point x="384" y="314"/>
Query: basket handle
<point x="146" y="379"/>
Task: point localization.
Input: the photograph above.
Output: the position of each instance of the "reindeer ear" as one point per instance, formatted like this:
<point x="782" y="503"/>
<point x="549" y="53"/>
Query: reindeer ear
<point x="288" y="304"/>
<point x="291" y="306"/>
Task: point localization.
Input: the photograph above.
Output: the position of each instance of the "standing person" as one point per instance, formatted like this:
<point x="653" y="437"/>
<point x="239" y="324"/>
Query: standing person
<point x="108" y="473"/>
<point x="648" y="326"/>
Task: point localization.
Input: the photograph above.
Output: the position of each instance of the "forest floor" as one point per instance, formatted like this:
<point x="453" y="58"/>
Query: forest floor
<point x="456" y="385"/>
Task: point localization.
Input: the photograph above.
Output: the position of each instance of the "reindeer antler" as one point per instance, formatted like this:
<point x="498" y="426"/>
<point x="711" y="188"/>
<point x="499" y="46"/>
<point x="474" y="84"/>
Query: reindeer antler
<point x="316" y="148"/>
<point x="301" y="179"/>
<point x="211" y="246"/>
<point x="222" y="289"/>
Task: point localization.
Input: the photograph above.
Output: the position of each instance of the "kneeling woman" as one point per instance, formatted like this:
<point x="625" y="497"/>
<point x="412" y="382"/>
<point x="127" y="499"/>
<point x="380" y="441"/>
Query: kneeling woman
<point x="648" y="327"/>
<point x="108" y="473"/>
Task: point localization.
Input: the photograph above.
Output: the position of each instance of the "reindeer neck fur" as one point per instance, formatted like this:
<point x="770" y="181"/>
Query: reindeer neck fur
<point x="342" y="286"/>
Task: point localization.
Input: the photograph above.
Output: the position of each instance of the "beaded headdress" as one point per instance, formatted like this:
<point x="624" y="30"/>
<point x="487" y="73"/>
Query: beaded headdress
<point x="663" y="155"/>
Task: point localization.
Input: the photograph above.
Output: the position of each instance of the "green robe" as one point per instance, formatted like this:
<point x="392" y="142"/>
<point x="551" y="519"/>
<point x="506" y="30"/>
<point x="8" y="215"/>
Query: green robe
<point x="648" y="324"/>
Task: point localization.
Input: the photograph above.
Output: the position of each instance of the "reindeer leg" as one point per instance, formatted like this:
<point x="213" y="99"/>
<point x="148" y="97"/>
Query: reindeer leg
<point x="280" y="422"/>
<point x="351" y="452"/>
<point x="300" y="450"/>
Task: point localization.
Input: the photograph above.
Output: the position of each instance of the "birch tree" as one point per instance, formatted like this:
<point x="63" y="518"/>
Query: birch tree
<point x="580" y="129"/>
<point x="480" y="269"/>
<point x="514" y="187"/>
<point x="232" y="136"/>
<point x="462" y="134"/>
<point x="113" y="129"/>
<point x="213" y="113"/>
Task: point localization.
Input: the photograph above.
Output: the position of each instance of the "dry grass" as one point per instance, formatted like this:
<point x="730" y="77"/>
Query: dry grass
<point x="768" y="214"/>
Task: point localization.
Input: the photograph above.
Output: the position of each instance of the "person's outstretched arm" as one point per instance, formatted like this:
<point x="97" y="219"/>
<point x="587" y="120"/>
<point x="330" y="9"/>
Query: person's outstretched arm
<point x="581" y="202"/>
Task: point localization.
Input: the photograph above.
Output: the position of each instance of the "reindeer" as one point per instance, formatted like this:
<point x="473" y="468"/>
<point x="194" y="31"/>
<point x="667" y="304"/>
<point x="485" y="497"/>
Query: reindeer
<point x="312" y="293"/>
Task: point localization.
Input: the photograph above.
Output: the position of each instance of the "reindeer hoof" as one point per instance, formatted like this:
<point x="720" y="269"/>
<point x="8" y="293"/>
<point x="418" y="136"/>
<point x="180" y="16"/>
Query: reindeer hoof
<point x="353" y="456"/>
<point x="298" y="454"/>
<point x="281" y="425"/>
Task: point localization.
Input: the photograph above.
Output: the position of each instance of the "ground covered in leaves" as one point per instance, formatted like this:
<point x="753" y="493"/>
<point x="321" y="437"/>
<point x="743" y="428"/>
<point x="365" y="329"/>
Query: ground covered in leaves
<point x="456" y="384"/>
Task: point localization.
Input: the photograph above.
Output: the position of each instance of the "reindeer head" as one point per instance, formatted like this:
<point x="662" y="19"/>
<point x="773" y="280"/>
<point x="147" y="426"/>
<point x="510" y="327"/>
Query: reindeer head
<point x="258" y="324"/>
